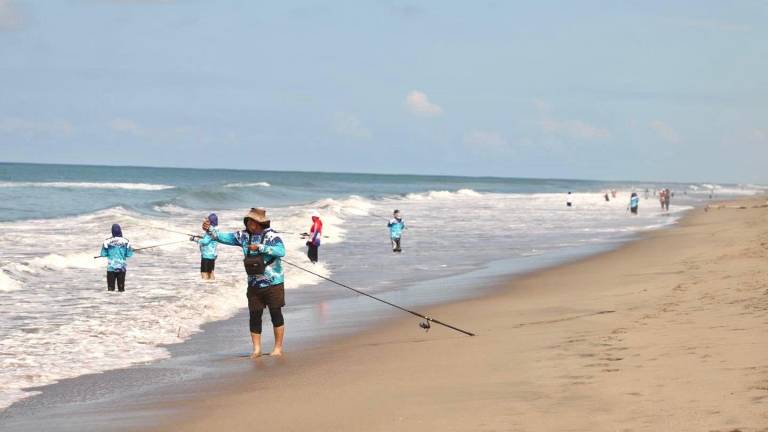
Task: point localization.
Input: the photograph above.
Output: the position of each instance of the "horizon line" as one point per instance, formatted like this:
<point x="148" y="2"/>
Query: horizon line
<point x="362" y="173"/>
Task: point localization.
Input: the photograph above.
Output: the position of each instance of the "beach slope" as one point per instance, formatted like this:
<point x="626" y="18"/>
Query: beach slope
<point x="666" y="333"/>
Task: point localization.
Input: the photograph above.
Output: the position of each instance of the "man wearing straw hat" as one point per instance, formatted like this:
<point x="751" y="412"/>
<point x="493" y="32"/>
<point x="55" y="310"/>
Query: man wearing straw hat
<point x="262" y="248"/>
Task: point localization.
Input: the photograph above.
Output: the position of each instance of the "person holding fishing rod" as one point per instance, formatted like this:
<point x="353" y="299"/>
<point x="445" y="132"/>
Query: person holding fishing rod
<point x="313" y="237"/>
<point x="263" y="249"/>
<point x="396" y="226"/>
<point x="208" y="248"/>
<point x="117" y="250"/>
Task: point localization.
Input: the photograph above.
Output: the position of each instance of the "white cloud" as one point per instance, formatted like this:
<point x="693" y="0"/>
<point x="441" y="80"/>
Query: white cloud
<point x="486" y="140"/>
<point x="36" y="127"/>
<point x="541" y="105"/>
<point x="569" y="128"/>
<point x="346" y="124"/>
<point x="10" y="17"/>
<point x="161" y="134"/>
<point x="666" y="132"/>
<point x="419" y="104"/>
<point x="573" y="129"/>
<point x="719" y="25"/>
<point x="760" y="135"/>
<point x="126" y="126"/>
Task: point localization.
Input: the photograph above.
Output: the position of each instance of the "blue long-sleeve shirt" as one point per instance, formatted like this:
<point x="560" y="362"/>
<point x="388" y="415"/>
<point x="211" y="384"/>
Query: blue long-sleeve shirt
<point x="208" y="244"/>
<point x="272" y="248"/>
<point x="396" y="227"/>
<point x="117" y="250"/>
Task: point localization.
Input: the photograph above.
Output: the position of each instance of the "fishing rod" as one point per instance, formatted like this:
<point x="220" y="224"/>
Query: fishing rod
<point x="388" y="218"/>
<point x="172" y="231"/>
<point x="150" y="247"/>
<point x="425" y="325"/>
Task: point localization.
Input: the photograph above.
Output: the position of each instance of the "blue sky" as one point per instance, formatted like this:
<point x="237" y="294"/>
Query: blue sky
<point x="601" y="90"/>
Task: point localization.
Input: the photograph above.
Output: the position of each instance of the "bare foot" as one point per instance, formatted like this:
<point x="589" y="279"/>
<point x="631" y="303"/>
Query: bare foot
<point x="255" y="354"/>
<point x="276" y="352"/>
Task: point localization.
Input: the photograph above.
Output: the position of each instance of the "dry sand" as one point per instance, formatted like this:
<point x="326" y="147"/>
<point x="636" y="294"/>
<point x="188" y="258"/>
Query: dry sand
<point x="667" y="333"/>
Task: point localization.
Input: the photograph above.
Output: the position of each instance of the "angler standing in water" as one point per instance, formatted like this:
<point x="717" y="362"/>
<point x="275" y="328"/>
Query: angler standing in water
<point x="396" y="226"/>
<point x="634" y="202"/>
<point x="117" y="250"/>
<point x="208" y="248"/>
<point x="313" y="238"/>
<point x="262" y="248"/>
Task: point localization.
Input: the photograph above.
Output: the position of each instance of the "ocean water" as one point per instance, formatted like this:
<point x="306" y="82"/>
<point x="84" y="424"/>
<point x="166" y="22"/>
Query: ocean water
<point x="57" y="320"/>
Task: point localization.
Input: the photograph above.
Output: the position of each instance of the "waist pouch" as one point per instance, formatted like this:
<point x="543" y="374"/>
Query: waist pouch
<point x="255" y="265"/>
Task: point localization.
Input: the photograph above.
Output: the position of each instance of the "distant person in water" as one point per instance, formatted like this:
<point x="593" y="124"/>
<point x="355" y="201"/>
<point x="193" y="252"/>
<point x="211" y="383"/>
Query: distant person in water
<point x="613" y="193"/>
<point x="661" y="198"/>
<point x="208" y="245"/>
<point x="313" y="238"/>
<point x="117" y="250"/>
<point x="634" y="202"/>
<point x="667" y="198"/>
<point x="568" y="201"/>
<point x="606" y="197"/>
<point x="396" y="226"/>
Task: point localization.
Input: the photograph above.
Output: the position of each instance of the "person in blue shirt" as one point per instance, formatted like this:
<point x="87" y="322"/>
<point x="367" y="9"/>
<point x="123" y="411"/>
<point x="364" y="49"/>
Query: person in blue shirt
<point x="208" y="248"/>
<point x="634" y="203"/>
<point x="262" y="248"/>
<point x="117" y="249"/>
<point x="396" y="226"/>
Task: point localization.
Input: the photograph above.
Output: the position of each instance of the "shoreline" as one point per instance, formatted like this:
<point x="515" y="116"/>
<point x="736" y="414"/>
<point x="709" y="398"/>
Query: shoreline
<point x="419" y="380"/>
<point x="219" y="345"/>
<point x="167" y="407"/>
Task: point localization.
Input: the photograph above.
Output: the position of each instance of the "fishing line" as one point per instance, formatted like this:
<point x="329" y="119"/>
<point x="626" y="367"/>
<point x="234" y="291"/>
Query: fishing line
<point x="233" y="229"/>
<point x="425" y="325"/>
<point x="170" y="230"/>
<point x="150" y="247"/>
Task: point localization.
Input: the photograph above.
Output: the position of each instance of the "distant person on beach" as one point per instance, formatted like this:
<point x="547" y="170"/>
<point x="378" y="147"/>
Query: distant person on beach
<point x="262" y="248"/>
<point x="568" y="201"/>
<point x="208" y="248"/>
<point x="667" y="197"/>
<point x="613" y="193"/>
<point x="634" y="202"/>
<point x="396" y="226"/>
<point x="606" y="197"/>
<point x="313" y="238"/>
<point x="117" y="249"/>
<point x="646" y="193"/>
<point x="661" y="198"/>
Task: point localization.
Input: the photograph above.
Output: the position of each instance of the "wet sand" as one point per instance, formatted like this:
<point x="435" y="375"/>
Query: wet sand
<point x="666" y="333"/>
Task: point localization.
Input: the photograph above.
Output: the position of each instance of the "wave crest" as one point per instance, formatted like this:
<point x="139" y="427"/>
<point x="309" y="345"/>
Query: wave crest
<point x="244" y="185"/>
<point x="444" y="194"/>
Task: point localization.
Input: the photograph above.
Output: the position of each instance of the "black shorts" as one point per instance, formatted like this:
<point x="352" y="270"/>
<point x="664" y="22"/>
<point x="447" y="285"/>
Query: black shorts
<point x="207" y="265"/>
<point x="272" y="297"/>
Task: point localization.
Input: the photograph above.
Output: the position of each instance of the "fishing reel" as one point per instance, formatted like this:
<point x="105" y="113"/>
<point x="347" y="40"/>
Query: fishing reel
<point x="425" y="325"/>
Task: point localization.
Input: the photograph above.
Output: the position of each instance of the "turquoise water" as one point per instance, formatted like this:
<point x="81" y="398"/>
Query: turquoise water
<point x="31" y="191"/>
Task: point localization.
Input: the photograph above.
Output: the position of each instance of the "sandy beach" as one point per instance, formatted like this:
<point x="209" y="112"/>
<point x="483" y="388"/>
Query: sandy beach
<point x="665" y="333"/>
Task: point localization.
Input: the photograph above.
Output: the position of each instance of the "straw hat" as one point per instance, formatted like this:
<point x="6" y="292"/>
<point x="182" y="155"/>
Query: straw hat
<point x="257" y="214"/>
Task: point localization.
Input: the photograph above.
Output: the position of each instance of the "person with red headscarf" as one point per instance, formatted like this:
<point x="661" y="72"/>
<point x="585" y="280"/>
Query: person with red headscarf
<point x="313" y="240"/>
